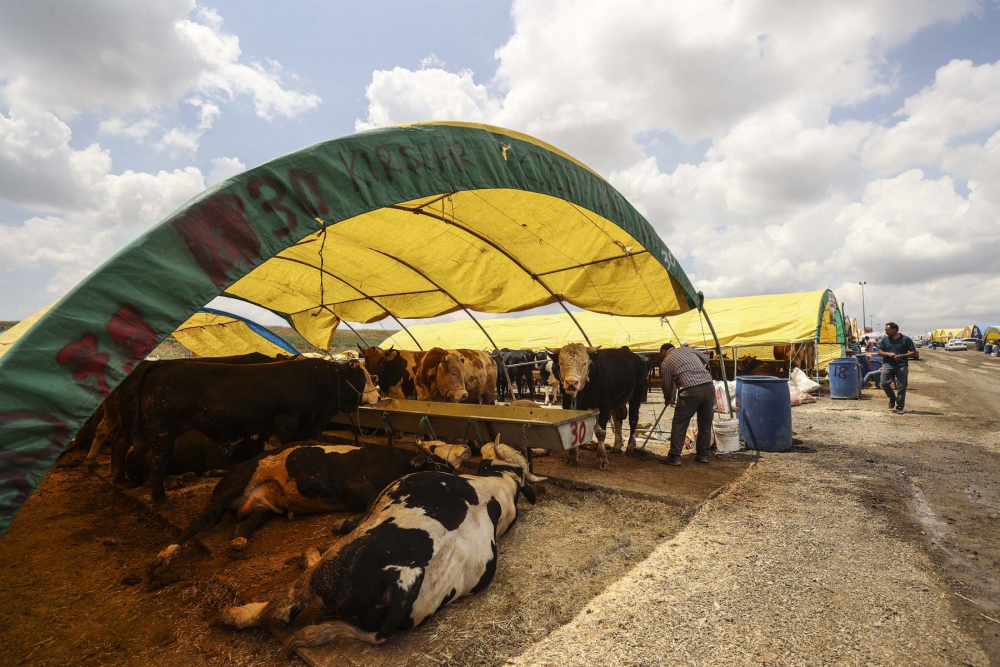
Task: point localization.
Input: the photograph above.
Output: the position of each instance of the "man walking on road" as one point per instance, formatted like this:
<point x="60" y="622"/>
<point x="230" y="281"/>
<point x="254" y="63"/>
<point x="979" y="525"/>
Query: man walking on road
<point x="896" y="350"/>
<point x="686" y="369"/>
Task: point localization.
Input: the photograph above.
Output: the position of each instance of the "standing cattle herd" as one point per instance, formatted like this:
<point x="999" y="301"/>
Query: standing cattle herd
<point x="423" y="535"/>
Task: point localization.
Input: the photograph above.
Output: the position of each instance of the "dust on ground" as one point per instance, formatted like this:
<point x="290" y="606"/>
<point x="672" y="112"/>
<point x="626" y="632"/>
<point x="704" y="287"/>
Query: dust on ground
<point x="873" y="541"/>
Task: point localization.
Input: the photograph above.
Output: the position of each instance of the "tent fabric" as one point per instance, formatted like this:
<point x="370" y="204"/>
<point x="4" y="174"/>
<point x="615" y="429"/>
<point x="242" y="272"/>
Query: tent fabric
<point x="12" y="335"/>
<point x="216" y="333"/>
<point x="407" y="222"/>
<point x="991" y="333"/>
<point x="739" y="322"/>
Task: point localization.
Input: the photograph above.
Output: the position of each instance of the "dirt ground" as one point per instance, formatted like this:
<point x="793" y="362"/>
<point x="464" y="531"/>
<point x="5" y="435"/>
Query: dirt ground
<point x="873" y="542"/>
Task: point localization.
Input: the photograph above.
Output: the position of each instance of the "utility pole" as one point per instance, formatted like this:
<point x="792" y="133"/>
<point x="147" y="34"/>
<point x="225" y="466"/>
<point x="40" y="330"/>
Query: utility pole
<point x="863" y="320"/>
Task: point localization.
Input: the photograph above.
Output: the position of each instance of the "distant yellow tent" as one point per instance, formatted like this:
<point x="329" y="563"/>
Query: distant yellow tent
<point x="754" y="324"/>
<point x="944" y="335"/>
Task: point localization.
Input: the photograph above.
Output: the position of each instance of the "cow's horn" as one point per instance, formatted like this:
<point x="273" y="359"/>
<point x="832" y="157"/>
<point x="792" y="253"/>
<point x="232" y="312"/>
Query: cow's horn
<point x="531" y="477"/>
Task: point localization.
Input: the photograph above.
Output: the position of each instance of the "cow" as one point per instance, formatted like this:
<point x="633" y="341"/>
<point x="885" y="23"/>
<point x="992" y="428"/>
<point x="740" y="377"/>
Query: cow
<point x="112" y="422"/>
<point x="520" y="374"/>
<point x="458" y="376"/>
<point x="429" y="539"/>
<point x="309" y="478"/>
<point x="550" y="383"/>
<point x="290" y="400"/>
<point x="801" y="355"/>
<point x="606" y="380"/>
<point x="396" y="370"/>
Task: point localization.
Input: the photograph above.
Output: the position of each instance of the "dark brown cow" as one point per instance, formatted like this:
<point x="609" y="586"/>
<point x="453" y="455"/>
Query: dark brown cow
<point x="289" y="400"/>
<point x="112" y="422"/>
<point x="396" y="370"/>
<point x="459" y="376"/>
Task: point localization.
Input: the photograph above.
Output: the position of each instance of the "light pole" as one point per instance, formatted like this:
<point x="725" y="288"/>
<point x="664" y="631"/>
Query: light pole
<point x="863" y="320"/>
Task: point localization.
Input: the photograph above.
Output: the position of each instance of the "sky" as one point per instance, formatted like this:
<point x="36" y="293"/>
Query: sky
<point x="776" y="147"/>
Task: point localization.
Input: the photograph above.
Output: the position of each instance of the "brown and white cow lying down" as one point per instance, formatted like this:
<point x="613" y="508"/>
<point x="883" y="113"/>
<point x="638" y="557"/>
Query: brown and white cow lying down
<point x="290" y="400"/>
<point x="606" y="380"/>
<point x="429" y="539"/>
<point x="459" y="376"/>
<point x="396" y="370"/>
<point x="309" y="478"/>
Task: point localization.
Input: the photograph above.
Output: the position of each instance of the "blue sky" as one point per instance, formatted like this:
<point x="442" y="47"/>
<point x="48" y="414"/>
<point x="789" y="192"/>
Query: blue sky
<point x="774" y="148"/>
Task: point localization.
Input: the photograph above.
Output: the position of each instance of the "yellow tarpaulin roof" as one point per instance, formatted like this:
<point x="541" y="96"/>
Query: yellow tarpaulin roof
<point x="739" y="322"/>
<point x="205" y="334"/>
<point x="10" y="336"/>
<point x="210" y="335"/>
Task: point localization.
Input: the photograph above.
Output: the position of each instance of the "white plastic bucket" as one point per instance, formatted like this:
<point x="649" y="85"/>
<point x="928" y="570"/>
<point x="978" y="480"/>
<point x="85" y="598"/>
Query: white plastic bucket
<point x="727" y="435"/>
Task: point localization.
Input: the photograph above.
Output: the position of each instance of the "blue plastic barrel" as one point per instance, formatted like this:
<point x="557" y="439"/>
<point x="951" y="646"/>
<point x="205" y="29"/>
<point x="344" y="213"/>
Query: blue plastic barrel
<point x="739" y="398"/>
<point x="765" y="415"/>
<point x="845" y="381"/>
<point x="988" y="348"/>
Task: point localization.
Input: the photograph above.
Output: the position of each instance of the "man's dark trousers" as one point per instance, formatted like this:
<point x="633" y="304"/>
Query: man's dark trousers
<point x="698" y="400"/>
<point x="900" y="373"/>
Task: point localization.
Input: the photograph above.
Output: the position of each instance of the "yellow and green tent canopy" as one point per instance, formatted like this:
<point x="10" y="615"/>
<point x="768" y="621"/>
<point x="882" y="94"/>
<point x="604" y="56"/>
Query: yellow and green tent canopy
<point x="403" y="222"/>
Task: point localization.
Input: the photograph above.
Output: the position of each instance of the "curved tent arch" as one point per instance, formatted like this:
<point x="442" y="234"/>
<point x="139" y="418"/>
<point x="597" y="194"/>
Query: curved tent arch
<point x="497" y="222"/>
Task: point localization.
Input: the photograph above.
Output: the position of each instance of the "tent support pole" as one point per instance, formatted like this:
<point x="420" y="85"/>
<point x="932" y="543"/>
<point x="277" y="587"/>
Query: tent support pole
<point x="722" y="365"/>
<point x="400" y="323"/>
<point x="585" y="336"/>
<point x="816" y="355"/>
<point x="355" y="332"/>
<point x="370" y="298"/>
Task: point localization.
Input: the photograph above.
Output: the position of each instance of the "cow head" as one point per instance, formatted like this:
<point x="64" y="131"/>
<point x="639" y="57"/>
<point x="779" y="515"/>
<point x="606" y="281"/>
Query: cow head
<point x="374" y="357"/>
<point x="453" y="455"/>
<point x="370" y="394"/>
<point x="575" y="364"/>
<point x="498" y="454"/>
<point x="355" y="386"/>
<point x="450" y="377"/>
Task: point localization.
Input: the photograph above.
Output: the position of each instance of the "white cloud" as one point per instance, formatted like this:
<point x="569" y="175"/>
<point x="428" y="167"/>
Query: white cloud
<point x="963" y="100"/>
<point x="588" y="76"/>
<point x="131" y="56"/>
<point x="401" y="96"/>
<point x="137" y="131"/>
<point x="181" y="139"/>
<point x="92" y="212"/>
<point x="223" y="168"/>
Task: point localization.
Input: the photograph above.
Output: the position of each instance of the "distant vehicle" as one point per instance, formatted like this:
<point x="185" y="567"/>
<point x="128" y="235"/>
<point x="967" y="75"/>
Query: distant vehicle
<point x="971" y="343"/>
<point x="957" y="345"/>
<point x="918" y="343"/>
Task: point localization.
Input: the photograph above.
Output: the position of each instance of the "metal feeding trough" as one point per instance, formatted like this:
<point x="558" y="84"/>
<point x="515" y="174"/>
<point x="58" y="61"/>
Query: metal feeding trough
<point x="555" y="430"/>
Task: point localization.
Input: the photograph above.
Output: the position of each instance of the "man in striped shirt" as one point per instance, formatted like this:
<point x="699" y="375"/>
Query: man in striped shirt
<point x="686" y="369"/>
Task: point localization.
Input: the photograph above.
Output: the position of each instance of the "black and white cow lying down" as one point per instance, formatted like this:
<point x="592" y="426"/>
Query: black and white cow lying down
<point x="310" y="478"/>
<point x="429" y="539"/>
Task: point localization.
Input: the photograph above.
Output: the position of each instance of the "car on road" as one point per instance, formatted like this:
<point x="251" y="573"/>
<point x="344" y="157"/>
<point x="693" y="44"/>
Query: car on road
<point x="971" y="343"/>
<point x="957" y="345"/>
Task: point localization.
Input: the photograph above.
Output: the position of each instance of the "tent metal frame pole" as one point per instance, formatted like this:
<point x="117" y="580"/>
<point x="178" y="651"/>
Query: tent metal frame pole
<point x="367" y="296"/>
<point x="534" y="276"/>
<point x="467" y="312"/>
<point x="718" y="348"/>
<point x="400" y="323"/>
